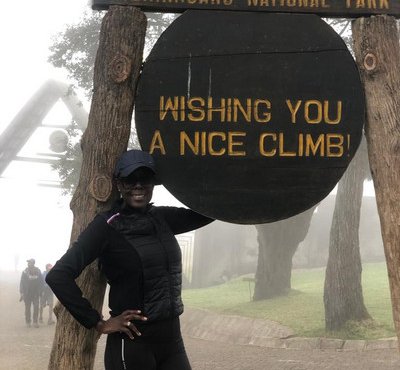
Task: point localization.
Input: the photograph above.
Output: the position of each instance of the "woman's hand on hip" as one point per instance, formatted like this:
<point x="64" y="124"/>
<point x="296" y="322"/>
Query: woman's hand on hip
<point x="121" y="323"/>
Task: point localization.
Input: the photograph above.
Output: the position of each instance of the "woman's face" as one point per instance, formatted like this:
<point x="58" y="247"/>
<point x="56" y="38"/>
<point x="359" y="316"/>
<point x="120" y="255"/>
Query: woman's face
<point x="137" y="188"/>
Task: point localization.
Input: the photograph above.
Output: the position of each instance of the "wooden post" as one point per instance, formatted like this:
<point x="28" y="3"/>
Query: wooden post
<point x="116" y="72"/>
<point x="376" y="46"/>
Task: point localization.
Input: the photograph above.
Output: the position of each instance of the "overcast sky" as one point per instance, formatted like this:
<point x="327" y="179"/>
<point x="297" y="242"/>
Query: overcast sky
<point x="35" y="221"/>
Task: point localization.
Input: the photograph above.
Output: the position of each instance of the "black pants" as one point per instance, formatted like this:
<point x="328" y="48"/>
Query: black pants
<point x="159" y="348"/>
<point x="31" y="300"/>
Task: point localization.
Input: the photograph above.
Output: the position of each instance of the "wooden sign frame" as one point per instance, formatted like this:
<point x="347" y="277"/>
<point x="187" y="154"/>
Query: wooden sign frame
<point x="323" y="8"/>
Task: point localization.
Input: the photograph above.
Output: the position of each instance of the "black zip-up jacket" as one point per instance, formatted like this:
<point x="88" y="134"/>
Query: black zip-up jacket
<point x="31" y="284"/>
<point x="140" y="257"/>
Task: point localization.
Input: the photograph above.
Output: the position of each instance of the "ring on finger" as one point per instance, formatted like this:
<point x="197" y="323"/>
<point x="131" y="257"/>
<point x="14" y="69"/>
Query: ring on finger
<point x="128" y="324"/>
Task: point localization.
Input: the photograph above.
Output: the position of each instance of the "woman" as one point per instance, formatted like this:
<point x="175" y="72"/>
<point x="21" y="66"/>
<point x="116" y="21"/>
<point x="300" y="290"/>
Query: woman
<point x="140" y="257"/>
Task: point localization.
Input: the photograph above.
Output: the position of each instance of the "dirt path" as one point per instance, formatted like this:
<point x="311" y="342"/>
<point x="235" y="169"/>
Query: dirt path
<point x="23" y="348"/>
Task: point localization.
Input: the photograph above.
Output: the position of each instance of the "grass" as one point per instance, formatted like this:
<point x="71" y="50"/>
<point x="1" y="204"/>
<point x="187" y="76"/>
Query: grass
<point x="303" y="309"/>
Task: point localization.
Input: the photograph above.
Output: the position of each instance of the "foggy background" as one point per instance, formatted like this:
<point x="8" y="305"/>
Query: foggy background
<point x="35" y="218"/>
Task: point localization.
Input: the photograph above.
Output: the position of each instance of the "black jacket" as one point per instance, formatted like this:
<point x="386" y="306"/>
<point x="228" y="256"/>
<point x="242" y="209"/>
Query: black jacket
<point x="140" y="257"/>
<point x="31" y="283"/>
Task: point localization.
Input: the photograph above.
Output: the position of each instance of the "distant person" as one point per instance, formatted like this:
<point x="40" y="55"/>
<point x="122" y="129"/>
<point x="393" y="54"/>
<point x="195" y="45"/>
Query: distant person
<point x="141" y="258"/>
<point x="46" y="298"/>
<point x="30" y="288"/>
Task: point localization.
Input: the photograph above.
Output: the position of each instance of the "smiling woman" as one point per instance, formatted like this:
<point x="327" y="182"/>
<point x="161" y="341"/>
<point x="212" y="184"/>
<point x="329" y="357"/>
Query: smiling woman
<point x="135" y="175"/>
<point x="140" y="256"/>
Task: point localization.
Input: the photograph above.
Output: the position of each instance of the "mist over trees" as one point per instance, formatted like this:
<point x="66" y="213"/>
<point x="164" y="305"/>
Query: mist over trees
<point x="277" y="246"/>
<point x="74" y="49"/>
<point x="343" y="298"/>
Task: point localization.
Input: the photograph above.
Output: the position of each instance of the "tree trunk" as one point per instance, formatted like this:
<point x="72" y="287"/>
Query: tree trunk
<point x="116" y="71"/>
<point x="277" y="243"/>
<point x="376" y="46"/>
<point x="343" y="298"/>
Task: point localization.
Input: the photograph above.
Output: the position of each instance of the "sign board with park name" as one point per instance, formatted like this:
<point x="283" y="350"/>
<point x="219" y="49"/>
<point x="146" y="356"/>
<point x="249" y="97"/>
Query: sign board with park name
<point x="253" y="118"/>
<point x="324" y="8"/>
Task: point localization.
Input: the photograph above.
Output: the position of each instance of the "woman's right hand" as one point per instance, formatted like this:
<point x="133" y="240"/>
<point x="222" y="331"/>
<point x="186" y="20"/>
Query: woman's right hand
<point x="121" y="323"/>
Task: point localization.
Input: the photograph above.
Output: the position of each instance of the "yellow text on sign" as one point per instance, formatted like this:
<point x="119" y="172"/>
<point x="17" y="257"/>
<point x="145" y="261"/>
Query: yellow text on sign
<point x="272" y="144"/>
<point x="198" y="109"/>
<point x="315" y="111"/>
<point x="212" y="143"/>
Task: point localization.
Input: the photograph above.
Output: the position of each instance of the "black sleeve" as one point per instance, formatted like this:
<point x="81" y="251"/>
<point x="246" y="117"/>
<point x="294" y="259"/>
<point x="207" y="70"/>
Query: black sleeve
<point x="61" y="278"/>
<point x="182" y="220"/>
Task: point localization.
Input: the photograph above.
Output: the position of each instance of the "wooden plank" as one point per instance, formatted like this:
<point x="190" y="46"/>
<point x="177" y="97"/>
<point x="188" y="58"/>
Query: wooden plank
<point x="116" y="71"/>
<point x="376" y="46"/>
<point x="324" y="8"/>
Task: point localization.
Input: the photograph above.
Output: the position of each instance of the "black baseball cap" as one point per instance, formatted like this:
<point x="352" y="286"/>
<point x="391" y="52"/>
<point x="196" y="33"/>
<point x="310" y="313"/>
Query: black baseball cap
<point x="131" y="160"/>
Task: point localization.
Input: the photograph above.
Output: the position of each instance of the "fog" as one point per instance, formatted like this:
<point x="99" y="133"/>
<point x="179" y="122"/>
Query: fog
<point x="36" y="220"/>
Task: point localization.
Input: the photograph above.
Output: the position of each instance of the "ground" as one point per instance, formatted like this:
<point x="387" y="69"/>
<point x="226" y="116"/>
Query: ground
<point x="23" y="348"/>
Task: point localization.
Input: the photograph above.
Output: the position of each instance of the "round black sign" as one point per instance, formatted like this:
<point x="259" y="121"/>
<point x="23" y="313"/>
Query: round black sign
<point x="251" y="117"/>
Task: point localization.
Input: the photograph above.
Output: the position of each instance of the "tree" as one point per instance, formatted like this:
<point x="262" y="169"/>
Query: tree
<point x="343" y="298"/>
<point x="377" y="50"/>
<point x="74" y="49"/>
<point x="69" y="164"/>
<point x="115" y="76"/>
<point x="277" y="243"/>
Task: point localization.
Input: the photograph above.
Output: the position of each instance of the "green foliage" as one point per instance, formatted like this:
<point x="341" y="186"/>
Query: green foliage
<point x="74" y="49"/>
<point x="69" y="165"/>
<point x="302" y="309"/>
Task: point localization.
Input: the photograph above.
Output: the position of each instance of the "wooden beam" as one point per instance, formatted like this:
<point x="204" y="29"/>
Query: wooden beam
<point x="324" y="8"/>
<point x="377" y="50"/>
<point x="116" y="71"/>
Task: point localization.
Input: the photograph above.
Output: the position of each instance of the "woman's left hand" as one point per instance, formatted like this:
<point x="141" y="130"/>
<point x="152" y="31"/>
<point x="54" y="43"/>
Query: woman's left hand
<point x="121" y="323"/>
